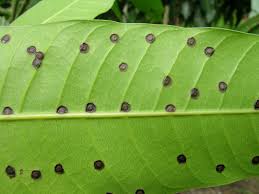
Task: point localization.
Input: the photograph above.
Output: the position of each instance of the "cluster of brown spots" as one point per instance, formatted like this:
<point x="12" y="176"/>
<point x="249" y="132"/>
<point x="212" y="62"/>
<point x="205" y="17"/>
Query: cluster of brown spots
<point x="114" y="38"/>
<point x="125" y="107"/>
<point x="62" y="110"/>
<point x="99" y="165"/>
<point x="90" y="108"/>
<point x="84" y="48"/>
<point x="10" y="171"/>
<point x="7" y="111"/>
<point x="5" y="39"/>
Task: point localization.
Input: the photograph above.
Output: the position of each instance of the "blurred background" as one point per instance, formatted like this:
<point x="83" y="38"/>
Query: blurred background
<point x="240" y="15"/>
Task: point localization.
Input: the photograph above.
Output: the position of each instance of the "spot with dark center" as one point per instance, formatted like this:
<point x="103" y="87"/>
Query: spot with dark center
<point x="125" y="107"/>
<point x="39" y="55"/>
<point x="35" y="174"/>
<point x="150" y="38"/>
<point x="140" y="191"/>
<point x="36" y="63"/>
<point x="10" y="171"/>
<point x="223" y="86"/>
<point x="123" y="67"/>
<point x="114" y="38"/>
<point x="181" y="159"/>
<point x="84" y="48"/>
<point x="31" y="50"/>
<point x="90" y="108"/>
<point x="170" y="108"/>
<point x="167" y="81"/>
<point x="191" y="41"/>
<point x="256" y="106"/>
<point x="99" y="165"/>
<point x="5" y="39"/>
<point x="255" y="160"/>
<point x="59" y="169"/>
<point x="62" y="110"/>
<point x="8" y="111"/>
<point x="195" y="93"/>
<point x="209" y="51"/>
<point x="220" y="168"/>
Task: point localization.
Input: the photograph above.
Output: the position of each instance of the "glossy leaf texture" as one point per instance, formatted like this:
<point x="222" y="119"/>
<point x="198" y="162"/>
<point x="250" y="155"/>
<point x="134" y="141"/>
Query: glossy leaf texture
<point x="137" y="108"/>
<point x="49" y="11"/>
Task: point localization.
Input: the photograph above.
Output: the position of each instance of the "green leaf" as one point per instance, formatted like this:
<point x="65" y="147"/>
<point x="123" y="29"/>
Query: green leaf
<point x="47" y="11"/>
<point x="251" y="25"/>
<point x="139" y="148"/>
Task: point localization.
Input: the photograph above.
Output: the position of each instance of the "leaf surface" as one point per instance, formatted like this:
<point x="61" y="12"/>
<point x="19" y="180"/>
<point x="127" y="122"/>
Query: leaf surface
<point x="49" y="11"/>
<point x="139" y="148"/>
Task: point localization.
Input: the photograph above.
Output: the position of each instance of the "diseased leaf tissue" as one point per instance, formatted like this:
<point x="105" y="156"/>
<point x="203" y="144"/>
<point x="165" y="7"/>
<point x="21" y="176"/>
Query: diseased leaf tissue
<point x="102" y="107"/>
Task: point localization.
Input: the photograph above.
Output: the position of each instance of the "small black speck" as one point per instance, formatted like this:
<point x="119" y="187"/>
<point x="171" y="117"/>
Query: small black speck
<point x="167" y="81"/>
<point x="10" y="171"/>
<point x="90" y="108"/>
<point x="140" y="191"/>
<point x="62" y="110"/>
<point x="36" y="63"/>
<point x="255" y="160"/>
<point x="5" y="39"/>
<point x="223" y="86"/>
<point x="181" y="159"/>
<point x="256" y="106"/>
<point x="220" y="168"/>
<point x="209" y="51"/>
<point x="195" y="93"/>
<point x="123" y="67"/>
<point x="84" y="48"/>
<point x="125" y="107"/>
<point x="191" y="42"/>
<point x="39" y="55"/>
<point x="170" y="108"/>
<point x="7" y="111"/>
<point x="59" y="169"/>
<point x="99" y="165"/>
<point x="35" y="174"/>
<point x="31" y="50"/>
<point x="150" y="38"/>
<point x="114" y="38"/>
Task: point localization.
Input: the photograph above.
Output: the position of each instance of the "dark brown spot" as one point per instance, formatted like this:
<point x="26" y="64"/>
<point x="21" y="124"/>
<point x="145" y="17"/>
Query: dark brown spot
<point x="62" y="110"/>
<point x="35" y="174"/>
<point x="150" y="38"/>
<point x="108" y="193"/>
<point x="170" y="108"/>
<point x="10" y="171"/>
<point x="84" y="48"/>
<point x="31" y="50"/>
<point x="167" y="81"/>
<point x="7" y="111"/>
<point x="99" y="165"/>
<point x="191" y="42"/>
<point x="123" y="67"/>
<point x="220" y="168"/>
<point x="125" y="107"/>
<point x="39" y="55"/>
<point x="59" y="169"/>
<point x="90" y="107"/>
<point x="255" y="160"/>
<point x="140" y="191"/>
<point x="5" y="39"/>
<point x="209" y="51"/>
<point x="195" y="93"/>
<point x="114" y="38"/>
<point x="223" y="86"/>
<point x="36" y="63"/>
<point x="181" y="159"/>
<point x="256" y="105"/>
